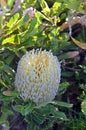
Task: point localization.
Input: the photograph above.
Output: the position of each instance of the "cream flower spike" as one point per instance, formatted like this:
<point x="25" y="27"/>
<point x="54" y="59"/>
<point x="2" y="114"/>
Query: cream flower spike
<point x="38" y="76"/>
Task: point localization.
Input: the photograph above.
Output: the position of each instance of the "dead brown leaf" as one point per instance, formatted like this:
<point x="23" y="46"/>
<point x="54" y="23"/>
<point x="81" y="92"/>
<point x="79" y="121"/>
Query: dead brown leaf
<point x="6" y="93"/>
<point x="78" y="43"/>
<point x="2" y="3"/>
<point x="72" y="54"/>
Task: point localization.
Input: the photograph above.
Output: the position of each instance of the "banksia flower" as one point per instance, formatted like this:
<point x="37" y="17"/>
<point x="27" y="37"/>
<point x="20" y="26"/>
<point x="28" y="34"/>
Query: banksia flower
<point x="38" y="76"/>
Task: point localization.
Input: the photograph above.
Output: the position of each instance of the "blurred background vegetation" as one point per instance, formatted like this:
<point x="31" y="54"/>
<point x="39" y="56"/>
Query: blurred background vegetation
<point x="56" y="25"/>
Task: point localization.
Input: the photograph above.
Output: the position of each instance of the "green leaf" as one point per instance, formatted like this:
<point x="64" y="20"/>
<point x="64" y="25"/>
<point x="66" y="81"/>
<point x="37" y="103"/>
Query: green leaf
<point x="3" y="83"/>
<point x="13" y="20"/>
<point x="49" y="112"/>
<point x="83" y="107"/>
<point x="9" y="59"/>
<point x="59" y="115"/>
<point x="18" y="108"/>
<point x="63" y="87"/>
<point x="32" y="29"/>
<point x="58" y="103"/>
<point x="6" y="98"/>
<point x="68" y="74"/>
<point x="42" y="105"/>
<point x="13" y="39"/>
<point x="32" y="126"/>
<point x="38" y="117"/>
<point x="8" y="70"/>
<point x="72" y="4"/>
<point x="25" y="110"/>
<point x="41" y="114"/>
<point x="46" y="110"/>
<point x="6" y="78"/>
<point x="25" y="19"/>
<point x="1" y="64"/>
<point x="5" y="113"/>
<point x="62" y="104"/>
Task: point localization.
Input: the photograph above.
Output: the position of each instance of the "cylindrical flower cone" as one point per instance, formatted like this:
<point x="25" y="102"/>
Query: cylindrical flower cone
<point x="38" y="76"/>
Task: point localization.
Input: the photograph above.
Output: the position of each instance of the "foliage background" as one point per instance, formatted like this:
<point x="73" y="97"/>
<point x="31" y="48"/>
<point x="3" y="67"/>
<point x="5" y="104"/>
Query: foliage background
<point x="56" y="25"/>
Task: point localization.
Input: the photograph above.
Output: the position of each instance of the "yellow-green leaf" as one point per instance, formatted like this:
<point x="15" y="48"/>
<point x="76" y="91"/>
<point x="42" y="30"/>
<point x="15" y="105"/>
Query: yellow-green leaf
<point x="44" y="7"/>
<point x="14" y="39"/>
<point x="13" y="20"/>
<point x="83" y="107"/>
